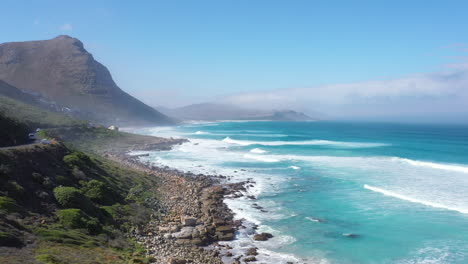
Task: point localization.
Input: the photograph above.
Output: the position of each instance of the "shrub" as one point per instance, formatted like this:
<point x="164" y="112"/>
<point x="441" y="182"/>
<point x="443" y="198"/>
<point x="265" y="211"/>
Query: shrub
<point x="9" y="240"/>
<point x="5" y="172"/>
<point x="98" y="192"/>
<point x="62" y="180"/>
<point x="77" y="219"/>
<point x="37" y="177"/>
<point x="8" y="205"/>
<point x="14" y="189"/>
<point x="78" y="174"/>
<point x="48" y="259"/>
<point x="70" y="197"/>
<point x="69" y="237"/>
<point x="76" y="159"/>
<point x="112" y="210"/>
<point x="93" y="226"/>
<point x="72" y="218"/>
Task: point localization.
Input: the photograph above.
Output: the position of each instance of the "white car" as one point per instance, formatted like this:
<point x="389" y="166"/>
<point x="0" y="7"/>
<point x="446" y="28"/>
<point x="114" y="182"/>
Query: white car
<point x="32" y="136"/>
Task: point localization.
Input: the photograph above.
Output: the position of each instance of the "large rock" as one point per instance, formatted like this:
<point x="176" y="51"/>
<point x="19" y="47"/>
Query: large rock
<point x="184" y="233"/>
<point x="188" y="221"/>
<point x="262" y="236"/>
<point x="252" y="251"/>
<point x="224" y="236"/>
<point x="177" y="261"/>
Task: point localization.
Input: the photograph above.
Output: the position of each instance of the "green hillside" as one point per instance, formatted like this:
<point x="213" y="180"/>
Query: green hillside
<point x="34" y="116"/>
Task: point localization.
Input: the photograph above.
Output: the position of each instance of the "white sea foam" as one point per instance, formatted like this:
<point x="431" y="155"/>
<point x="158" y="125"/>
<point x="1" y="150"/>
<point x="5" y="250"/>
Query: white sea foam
<point x="305" y="142"/>
<point x="206" y="156"/>
<point x="201" y="133"/>
<point x="372" y="160"/>
<point x="260" y="158"/>
<point x="449" y="167"/>
<point x="247" y="134"/>
<point x="258" y="151"/>
<point x="414" y="200"/>
<point x="294" y="167"/>
<point x="313" y="219"/>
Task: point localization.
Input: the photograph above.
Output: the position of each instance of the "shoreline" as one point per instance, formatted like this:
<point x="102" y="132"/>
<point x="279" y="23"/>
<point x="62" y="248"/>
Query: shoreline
<point x="191" y="216"/>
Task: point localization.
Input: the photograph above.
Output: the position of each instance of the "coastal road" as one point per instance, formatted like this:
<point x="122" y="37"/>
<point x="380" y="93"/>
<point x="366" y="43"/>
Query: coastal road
<point x="35" y="142"/>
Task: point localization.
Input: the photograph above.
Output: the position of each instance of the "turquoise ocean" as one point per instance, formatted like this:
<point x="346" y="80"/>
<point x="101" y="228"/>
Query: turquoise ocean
<point x="337" y="192"/>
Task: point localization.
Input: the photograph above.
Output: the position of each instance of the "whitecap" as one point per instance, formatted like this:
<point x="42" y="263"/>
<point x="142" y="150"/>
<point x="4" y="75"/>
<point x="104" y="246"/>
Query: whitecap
<point x="305" y="142"/>
<point x="414" y="200"/>
<point x="440" y="166"/>
<point x="313" y="219"/>
<point x="258" y="151"/>
<point x="260" y="158"/>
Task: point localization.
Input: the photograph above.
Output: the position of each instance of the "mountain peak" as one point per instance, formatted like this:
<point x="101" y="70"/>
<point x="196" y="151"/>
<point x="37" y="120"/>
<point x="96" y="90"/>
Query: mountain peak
<point x="61" y="70"/>
<point x="63" y="37"/>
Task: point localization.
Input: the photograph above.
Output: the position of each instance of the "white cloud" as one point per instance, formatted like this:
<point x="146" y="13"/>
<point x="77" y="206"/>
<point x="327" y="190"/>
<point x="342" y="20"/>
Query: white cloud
<point x="66" y="27"/>
<point x="448" y="90"/>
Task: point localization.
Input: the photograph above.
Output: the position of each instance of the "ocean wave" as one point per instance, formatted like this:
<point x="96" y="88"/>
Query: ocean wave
<point x="201" y="133"/>
<point x="258" y="151"/>
<point x="305" y="142"/>
<point x="378" y="160"/>
<point x="260" y="158"/>
<point x="313" y="219"/>
<point x="440" y="166"/>
<point x="414" y="200"/>
<point x="294" y="167"/>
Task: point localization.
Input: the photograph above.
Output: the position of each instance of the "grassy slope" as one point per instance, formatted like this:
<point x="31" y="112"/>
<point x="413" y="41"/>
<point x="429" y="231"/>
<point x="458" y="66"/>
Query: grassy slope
<point x="34" y="116"/>
<point x="28" y="178"/>
<point x="99" y="140"/>
<point x="30" y="228"/>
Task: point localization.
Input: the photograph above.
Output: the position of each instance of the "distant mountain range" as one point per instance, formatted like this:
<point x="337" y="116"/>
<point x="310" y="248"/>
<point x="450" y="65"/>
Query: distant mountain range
<point x="217" y="112"/>
<point x="61" y="74"/>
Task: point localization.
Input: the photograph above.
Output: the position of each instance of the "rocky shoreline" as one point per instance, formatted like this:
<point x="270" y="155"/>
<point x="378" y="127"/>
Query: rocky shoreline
<point x="189" y="215"/>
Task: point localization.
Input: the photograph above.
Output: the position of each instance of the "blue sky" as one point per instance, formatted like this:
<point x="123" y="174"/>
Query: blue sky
<point x="178" y="52"/>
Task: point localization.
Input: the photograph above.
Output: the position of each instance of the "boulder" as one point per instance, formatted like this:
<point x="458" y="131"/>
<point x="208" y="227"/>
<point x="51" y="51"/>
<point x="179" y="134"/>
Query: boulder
<point x="250" y="259"/>
<point x="262" y="236"/>
<point x="184" y="233"/>
<point x="252" y="251"/>
<point x="188" y="221"/>
<point x="177" y="261"/>
<point x="225" y="236"/>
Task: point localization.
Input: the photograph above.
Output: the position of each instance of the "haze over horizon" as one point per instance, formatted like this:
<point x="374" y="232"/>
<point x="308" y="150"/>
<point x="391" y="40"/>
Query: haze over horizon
<point x="365" y="60"/>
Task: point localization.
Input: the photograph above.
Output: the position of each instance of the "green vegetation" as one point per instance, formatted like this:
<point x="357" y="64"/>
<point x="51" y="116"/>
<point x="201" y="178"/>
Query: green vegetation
<point x="8" y="205"/>
<point x="14" y="189"/>
<point x="77" y="159"/>
<point x="62" y="180"/>
<point x="70" y="197"/>
<point x="98" y="192"/>
<point x="34" y="116"/>
<point x="68" y="237"/>
<point x="9" y="239"/>
<point x="13" y="132"/>
<point x="48" y="259"/>
<point x="98" y="139"/>
<point x="77" y="219"/>
<point x="73" y="206"/>
<point x="72" y="218"/>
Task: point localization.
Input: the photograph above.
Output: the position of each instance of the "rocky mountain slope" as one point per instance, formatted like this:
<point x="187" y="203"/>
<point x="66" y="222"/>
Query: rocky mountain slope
<point x="61" y="70"/>
<point x="212" y="112"/>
